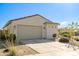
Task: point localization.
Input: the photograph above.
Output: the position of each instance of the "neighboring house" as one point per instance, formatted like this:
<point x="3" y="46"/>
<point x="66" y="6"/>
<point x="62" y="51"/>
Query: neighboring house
<point x="32" y="27"/>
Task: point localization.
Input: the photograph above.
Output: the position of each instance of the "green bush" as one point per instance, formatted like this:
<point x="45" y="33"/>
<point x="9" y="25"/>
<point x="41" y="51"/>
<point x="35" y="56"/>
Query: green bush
<point x="10" y="47"/>
<point x="65" y="34"/>
<point x="10" y="42"/>
<point x="64" y="40"/>
<point x="13" y="37"/>
<point x="54" y="35"/>
<point x="7" y="35"/>
<point x="2" y="36"/>
<point x="76" y="38"/>
<point x="12" y="51"/>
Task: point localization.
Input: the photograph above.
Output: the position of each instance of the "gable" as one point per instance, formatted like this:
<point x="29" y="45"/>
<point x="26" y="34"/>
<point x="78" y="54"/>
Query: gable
<point x="36" y="20"/>
<point x="30" y="20"/>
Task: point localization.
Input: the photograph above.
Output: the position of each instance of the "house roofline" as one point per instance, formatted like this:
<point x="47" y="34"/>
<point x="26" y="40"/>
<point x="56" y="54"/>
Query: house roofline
<point x="10" y="21"/>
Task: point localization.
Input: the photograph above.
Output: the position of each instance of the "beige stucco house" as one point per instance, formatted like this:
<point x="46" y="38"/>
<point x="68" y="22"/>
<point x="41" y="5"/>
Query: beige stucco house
<point x="32" y="27"/>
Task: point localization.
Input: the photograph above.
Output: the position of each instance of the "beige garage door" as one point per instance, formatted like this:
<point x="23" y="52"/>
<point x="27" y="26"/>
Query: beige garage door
<point x="29" y="32"/>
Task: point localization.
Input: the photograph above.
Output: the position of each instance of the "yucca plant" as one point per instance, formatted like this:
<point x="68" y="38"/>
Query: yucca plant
<point x="9" y="43"/>
<point x="12" y="51"/>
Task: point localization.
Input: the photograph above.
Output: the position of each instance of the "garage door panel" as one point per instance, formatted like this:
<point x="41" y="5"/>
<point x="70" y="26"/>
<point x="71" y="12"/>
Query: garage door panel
<point x="29" y="32"/>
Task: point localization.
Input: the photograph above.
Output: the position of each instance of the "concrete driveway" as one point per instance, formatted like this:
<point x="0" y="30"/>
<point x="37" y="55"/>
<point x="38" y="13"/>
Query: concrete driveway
<point x="51" y="48"/>
<point x="35" y="41"/>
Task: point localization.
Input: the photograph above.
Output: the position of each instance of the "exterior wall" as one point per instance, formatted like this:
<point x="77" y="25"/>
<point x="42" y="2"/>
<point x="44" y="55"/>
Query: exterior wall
<point x="36" y="21"/>
<point x="51" y="29"/>
<point x="47" y="29"/>
<point x="33" y="21"/>
<point x="44" y="31"/>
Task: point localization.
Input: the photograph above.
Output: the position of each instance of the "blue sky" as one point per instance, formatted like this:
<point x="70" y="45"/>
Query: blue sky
<point x="61" y="13"/>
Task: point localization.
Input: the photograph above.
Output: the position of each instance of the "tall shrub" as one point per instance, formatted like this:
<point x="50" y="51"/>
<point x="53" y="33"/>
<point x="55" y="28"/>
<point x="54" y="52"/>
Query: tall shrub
<point x="9" y="42"/>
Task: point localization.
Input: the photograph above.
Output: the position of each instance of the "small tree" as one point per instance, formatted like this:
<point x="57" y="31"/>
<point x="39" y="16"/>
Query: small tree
<point x="69" y="31"/>
<point x="74" y="26"/>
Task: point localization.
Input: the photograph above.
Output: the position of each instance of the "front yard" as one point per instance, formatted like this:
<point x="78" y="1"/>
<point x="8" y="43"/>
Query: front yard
<point x="43" y="47"/>
<point x="20" y="50"/>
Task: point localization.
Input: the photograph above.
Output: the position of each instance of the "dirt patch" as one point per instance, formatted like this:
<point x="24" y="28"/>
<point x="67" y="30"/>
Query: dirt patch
<point x="21" y="50"/>
<point x="25" y="50"/>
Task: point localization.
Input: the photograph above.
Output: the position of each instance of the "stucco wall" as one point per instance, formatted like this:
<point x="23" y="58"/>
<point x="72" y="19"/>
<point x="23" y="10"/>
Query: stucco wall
<point x="34" y="21"/>
<point x="47" y="30"/>
<point x="51" y="29"/>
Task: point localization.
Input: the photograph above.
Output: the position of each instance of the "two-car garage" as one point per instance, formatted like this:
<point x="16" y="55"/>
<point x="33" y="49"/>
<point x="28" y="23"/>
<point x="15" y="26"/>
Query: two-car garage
<point x="29" y="32"/>
<point x="32" y="27"/>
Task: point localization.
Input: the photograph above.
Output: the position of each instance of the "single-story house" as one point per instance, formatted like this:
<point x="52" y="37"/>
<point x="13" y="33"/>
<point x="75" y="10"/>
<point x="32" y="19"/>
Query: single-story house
<point x="32" y="27"/>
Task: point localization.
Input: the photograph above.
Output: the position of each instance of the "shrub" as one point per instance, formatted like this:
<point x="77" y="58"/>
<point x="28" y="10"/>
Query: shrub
<point x="10" y="45"/>
<point x="64" y="40"/>
<point x="2" y="36"/>
<point x="76" y="38"/>
<point x="13" y="37"/>
<point x="12" y="51"/>
<point x="66" y="34"/>
<point x="6" y="35"/>
<point x="6" y="50"/>
<point x="10" y="42"/>
<point x="54" y="35"/>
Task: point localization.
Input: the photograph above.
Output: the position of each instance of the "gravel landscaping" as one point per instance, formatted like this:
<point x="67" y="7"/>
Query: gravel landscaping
<point x="21" y="50"/>
<point x="43" y="48"/>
